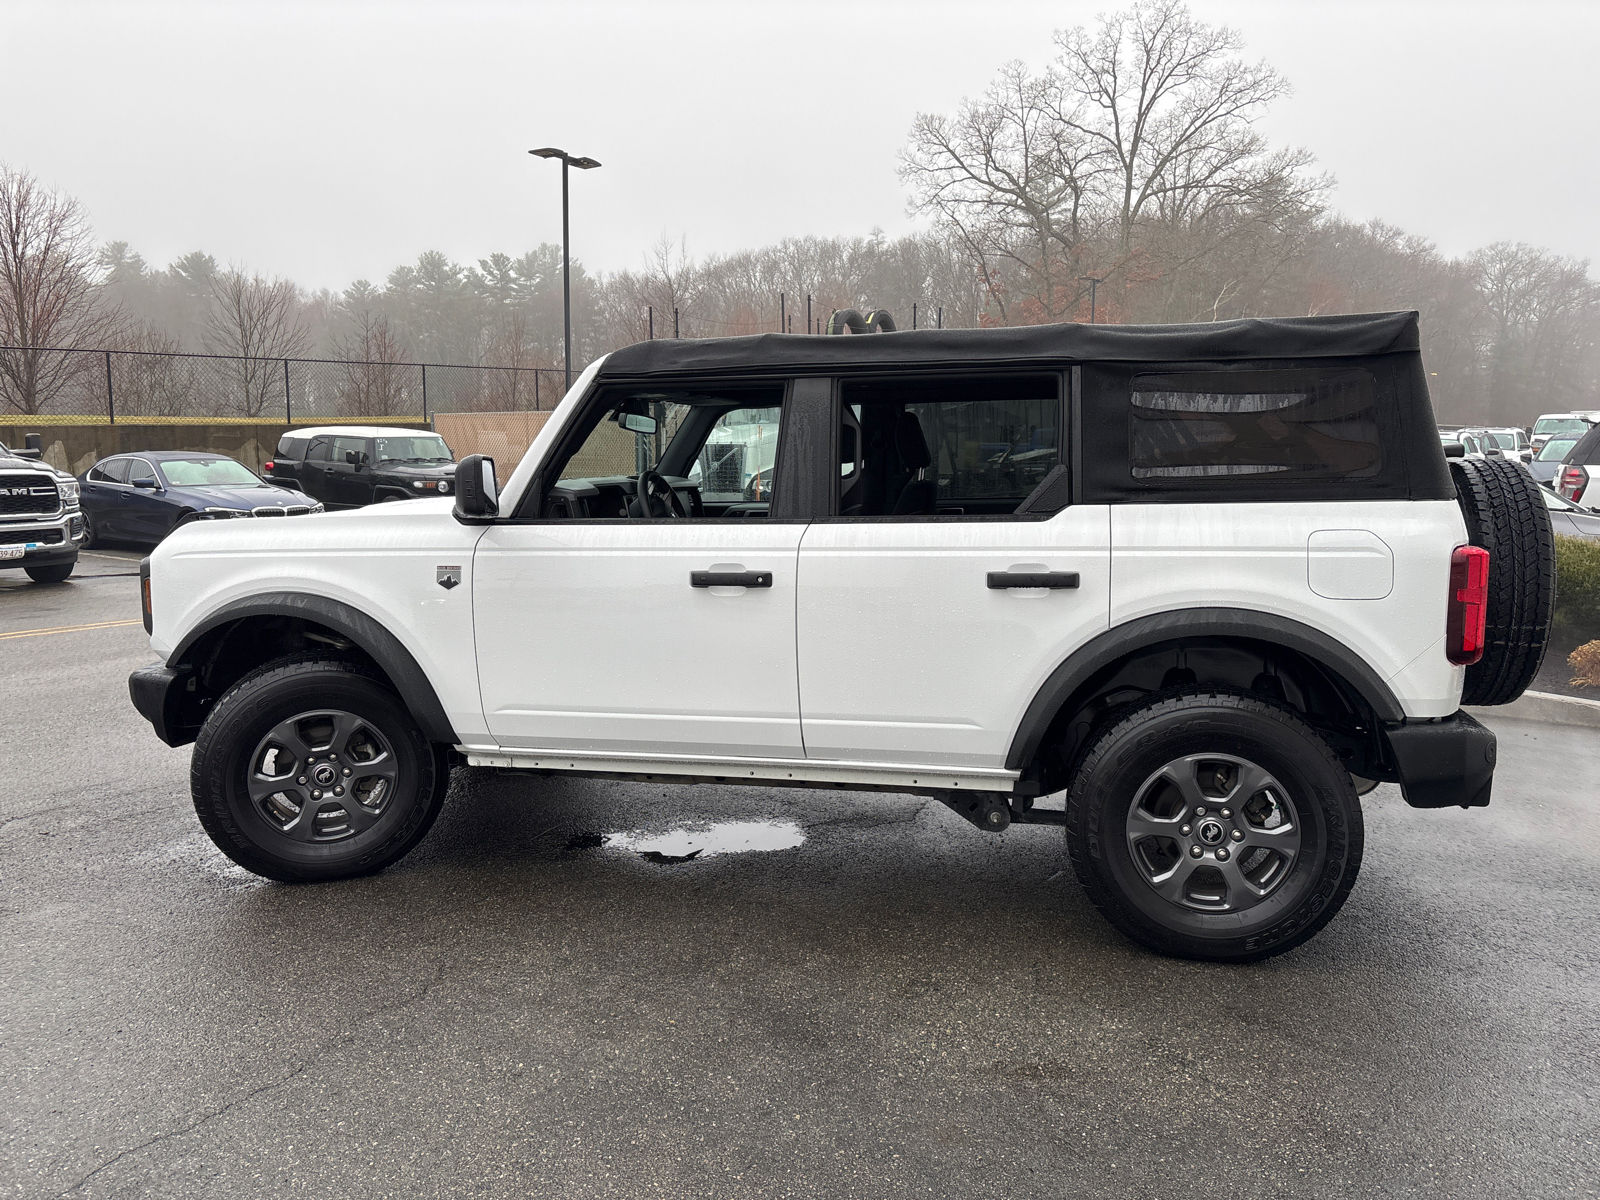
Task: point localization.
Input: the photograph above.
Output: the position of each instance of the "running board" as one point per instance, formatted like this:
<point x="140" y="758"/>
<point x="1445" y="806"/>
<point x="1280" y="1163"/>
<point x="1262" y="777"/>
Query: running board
<point x="786" y="772"/>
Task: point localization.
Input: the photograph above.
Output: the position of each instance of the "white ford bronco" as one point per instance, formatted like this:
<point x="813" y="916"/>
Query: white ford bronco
<point x="1206" y="583"/>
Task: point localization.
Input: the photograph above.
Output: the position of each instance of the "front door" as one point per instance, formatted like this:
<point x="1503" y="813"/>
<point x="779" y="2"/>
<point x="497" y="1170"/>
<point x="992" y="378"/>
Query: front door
<point x="350" y="472"/>
<point x="930" y="610"/>
<point x="605" y="626"/>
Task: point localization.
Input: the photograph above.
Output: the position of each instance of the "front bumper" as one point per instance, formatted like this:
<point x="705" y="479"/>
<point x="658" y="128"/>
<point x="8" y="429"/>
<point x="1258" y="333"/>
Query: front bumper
<point x="46" y="543"/>
<point x="1444" y="761"/>
<point x="158" y="693"/>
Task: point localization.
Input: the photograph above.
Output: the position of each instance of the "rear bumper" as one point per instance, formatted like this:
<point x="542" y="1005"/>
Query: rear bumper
<point x="158" y="692"/>
<point x="1444" y="762"/>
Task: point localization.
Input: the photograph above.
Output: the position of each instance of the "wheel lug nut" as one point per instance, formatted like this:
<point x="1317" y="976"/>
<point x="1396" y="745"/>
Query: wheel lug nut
<point x="347" y="771"/>
<point x="1222" y="854"/>
<point x="1183" y="829"/>
<point x="338" y="791"/>
<point x="1200" y="811"/>
<point x="1238" y="835"/>
<point x="1227" y="812"/>
<point x="1195" y="852"/>
<point x="302" y="779"/>
<point x="316" y="794"/>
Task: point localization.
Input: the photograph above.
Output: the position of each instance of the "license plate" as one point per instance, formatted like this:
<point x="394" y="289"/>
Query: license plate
<point x="10" y="552"/>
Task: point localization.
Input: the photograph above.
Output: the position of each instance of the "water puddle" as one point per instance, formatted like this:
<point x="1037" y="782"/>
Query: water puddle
<point x="688" y="845"/>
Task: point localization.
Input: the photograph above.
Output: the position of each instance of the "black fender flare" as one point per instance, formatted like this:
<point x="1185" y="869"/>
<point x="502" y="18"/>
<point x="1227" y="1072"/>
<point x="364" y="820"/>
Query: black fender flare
<point x="1121" y="640"/>
<point x="410" y="680"/>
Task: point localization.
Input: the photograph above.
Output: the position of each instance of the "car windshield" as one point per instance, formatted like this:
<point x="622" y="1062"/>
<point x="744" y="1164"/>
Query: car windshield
<point x="1556" y="449"/>
<point x="1559" y="425"/>
<point x="1506" y="441"/>
<point x="208" y="472"/>
<point x="430" y="448"/>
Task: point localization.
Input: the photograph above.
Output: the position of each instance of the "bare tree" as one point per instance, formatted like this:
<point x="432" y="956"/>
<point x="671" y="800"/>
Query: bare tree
<point x="377" y="380"/>
<point x="151" y="375"/>
<point x="257" y="321"/>
<point x="1133" y="156"/>
<point x="48" y="299"/>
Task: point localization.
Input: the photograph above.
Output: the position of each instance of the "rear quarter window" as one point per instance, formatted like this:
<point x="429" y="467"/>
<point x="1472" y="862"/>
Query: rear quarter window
<point x="291" y="447"/>
<point x="1312" y="424"/>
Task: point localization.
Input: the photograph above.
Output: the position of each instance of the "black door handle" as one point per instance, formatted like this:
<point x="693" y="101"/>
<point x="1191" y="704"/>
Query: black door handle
<point x="1033" y="579"/>
<point x="746" y="579"/>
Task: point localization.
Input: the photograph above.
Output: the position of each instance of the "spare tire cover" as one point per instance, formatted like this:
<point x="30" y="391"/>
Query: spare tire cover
<point x="1506" y="515"/>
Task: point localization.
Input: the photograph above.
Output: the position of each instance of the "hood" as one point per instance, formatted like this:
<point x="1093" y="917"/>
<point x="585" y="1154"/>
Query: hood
<point x="418" y="470"/>
<point x="9" y="462"/>
<point x="242" y="497"/>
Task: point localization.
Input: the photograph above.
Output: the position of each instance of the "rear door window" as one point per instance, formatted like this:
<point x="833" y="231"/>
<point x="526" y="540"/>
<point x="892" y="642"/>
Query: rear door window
<point x="112" y="470"/>
<point x="1317" y="424"/>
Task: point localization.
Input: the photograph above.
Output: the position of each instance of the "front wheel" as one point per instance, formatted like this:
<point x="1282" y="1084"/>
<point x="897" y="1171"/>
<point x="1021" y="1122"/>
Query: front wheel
<point x="311" y="768"/>
<point x="1214" y="825"/>
<point x="55" y="574"/>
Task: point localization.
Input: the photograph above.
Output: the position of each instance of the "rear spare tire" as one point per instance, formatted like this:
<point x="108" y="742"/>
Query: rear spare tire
<point x="1506" y="515"/>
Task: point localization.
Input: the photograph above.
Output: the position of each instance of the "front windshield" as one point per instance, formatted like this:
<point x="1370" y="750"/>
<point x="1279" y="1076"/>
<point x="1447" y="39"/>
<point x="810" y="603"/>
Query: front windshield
<point x="208" y="472"/>
<point x="1556" y="449"/>
<point x="1559" y="425"/>
<point x="426" y="448"/>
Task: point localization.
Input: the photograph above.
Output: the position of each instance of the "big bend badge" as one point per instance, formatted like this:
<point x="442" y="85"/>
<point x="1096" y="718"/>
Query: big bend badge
<point x="449" y="576"/>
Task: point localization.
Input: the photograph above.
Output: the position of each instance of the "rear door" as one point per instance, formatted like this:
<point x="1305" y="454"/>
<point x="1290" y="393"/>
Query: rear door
<point x="313" y="471"/>
<point x="930" y="610"/>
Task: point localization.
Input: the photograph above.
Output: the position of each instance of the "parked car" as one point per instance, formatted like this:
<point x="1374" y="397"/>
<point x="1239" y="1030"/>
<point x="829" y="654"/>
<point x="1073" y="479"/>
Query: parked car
<point x="143" y="497"/>
<point x="1580" y="468"/>
<point x="1568" y="518"/>
<point x="1567" y="424"/>
<point x="347" y="466"/>
<point x="1511" y="442"/>
<point x="1206" y="583"/>
<point x="1546" y="464"/>
<point x="41" y="525"/>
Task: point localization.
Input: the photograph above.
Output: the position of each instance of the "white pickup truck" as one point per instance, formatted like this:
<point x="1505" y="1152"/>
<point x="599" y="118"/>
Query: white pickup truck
<point x="1208" y="583"/>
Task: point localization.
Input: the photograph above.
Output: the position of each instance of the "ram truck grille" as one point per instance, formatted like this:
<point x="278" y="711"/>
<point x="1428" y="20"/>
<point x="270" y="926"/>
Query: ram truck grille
<point x="27" y="495"/>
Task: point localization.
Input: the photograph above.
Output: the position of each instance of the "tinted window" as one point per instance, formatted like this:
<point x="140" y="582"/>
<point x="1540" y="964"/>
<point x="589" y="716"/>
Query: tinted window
<point x="290" y="447"/>
<point x="1293" y="424"/>
<point x="112" y="470"/>
<point x="139" y="469"/>
<point x="318" y="451"/>
<point x="965" y="446"/>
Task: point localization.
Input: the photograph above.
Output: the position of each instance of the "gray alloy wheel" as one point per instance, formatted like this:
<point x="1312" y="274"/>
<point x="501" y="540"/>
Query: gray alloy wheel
<point x="1213" y="832"/>
<point x="322" y="776"/>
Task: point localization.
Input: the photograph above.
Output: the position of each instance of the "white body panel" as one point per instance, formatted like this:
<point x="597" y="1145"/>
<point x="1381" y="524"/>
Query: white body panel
<point x="592" y="637"/>
<point x="381" y="560"/>
<point x="1260" y="557"/>
<point x="907" y="656"/>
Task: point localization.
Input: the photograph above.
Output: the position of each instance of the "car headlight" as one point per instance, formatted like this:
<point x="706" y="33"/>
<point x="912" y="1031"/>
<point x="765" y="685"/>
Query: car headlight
<point x="69" y="493"/>
<point x="316" y="508"/>
<point x="223" y="514"/>
<point x="444" y="486"/>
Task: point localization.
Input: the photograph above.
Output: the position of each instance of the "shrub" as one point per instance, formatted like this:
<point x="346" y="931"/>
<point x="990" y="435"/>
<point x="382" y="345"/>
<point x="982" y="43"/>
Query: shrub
<point x="1585" y="664"/>
<point x="1578" y="585"/>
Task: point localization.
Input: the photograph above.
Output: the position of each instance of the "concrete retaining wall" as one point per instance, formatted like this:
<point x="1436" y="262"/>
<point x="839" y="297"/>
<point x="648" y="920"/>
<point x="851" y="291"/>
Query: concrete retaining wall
<point x="77" y="447"/>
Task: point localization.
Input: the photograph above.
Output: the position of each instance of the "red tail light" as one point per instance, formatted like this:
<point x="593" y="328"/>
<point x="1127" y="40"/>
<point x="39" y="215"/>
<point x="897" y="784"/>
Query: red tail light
<point x="266" y="466"/>
<point x="1469" y="605"/>
<point x="1571" y="482"/>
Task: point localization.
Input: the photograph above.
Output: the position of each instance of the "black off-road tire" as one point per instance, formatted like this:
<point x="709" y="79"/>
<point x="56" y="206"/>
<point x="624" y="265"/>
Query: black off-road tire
<point x="273" y="694"/>
<point x="1137" y="748"/>
<point x="58" y="573"/>
<point x="1506" y="515"/>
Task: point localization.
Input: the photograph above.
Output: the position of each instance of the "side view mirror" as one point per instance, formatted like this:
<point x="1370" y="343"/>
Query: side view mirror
<point x="1527" y="456"/>
<point x="477" y="496"/>
<point x="1454" y="450"/>
<point x="1494" y="452"/>
<point x="356" y="458"/>
<point x="146" y="485"/>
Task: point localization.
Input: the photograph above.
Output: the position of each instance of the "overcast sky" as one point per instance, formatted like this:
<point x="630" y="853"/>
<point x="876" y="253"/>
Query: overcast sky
<point x="330" y="142"/>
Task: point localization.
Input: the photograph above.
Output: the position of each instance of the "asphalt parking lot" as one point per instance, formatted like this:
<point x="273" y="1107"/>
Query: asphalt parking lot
<point x="896" y="1005"/>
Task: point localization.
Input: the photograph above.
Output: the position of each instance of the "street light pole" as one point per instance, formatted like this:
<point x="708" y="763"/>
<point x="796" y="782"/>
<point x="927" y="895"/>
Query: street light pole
<point x="583" y="164"/>
<point x="1094" y="285"/>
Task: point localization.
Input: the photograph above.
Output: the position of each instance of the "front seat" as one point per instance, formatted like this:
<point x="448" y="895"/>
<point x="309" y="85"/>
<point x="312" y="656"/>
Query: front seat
<point x="920" y="495"/>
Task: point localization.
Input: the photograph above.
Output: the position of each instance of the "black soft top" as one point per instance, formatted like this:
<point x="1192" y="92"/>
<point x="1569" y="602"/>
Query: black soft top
<point x="1359" y="335"/>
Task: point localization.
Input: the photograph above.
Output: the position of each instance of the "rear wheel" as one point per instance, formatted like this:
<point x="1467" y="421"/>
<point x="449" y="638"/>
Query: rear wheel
<point x="311" y="768"/>
<point x="1214" y="825"/>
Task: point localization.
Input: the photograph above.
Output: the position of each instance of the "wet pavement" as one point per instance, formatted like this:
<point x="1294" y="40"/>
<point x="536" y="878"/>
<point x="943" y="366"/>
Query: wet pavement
<point x="605" y="989"/>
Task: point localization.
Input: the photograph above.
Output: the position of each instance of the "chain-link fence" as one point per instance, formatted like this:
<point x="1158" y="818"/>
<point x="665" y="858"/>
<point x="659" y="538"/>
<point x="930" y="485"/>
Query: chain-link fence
<point x="129" y="385"/>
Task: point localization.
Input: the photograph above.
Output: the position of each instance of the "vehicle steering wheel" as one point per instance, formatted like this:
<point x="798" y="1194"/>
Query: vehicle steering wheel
<point x="653" y="487"/>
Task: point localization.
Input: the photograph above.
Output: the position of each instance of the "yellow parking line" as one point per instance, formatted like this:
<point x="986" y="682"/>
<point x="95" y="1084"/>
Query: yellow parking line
<point x="22" y="633"/>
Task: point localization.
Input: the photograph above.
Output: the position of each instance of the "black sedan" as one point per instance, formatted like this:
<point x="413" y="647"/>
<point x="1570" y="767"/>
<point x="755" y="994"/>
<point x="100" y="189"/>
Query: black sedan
<point x="144" y="496"/>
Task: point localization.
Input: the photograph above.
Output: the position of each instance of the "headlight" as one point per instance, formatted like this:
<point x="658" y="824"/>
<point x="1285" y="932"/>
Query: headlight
<point x="69" y="493"/>
<point x="222" y="514"/>
<point x="444" y="486"/>
<point x="316" y="508"/>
